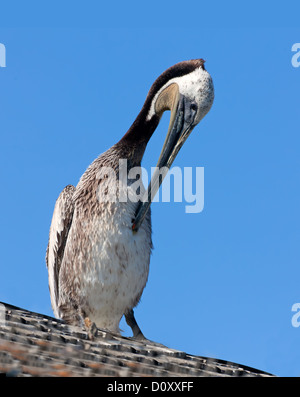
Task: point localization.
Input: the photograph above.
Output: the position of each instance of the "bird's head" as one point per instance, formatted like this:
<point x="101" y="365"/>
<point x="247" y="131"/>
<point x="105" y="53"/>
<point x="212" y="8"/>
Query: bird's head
<point x="186" y="89"/>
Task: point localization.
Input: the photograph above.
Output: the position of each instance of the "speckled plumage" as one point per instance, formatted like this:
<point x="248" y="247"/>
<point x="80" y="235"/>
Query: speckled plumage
<point x="105" y="266"/>
<point x="97" y="266"/>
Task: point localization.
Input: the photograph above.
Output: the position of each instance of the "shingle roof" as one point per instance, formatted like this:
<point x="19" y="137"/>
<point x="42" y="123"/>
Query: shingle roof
<point x="33" y="344"/>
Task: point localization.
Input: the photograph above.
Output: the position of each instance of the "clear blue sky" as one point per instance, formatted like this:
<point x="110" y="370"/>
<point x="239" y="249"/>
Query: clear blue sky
<point x="222" y="282"/>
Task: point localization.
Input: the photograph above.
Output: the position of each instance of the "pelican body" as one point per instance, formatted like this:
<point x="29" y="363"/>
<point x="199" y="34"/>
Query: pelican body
<point x="99" y="251"/>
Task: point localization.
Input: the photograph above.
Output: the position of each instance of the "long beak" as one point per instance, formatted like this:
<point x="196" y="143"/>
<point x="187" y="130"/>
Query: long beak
<point x="181" y="125"/>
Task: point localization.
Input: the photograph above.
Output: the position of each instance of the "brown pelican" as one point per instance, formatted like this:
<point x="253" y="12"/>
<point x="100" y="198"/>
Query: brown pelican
<point x="99" y="250"/>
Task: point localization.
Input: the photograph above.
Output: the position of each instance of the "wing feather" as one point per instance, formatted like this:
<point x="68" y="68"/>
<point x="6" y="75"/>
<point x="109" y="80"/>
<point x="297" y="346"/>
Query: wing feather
<point x="59" y="230"/>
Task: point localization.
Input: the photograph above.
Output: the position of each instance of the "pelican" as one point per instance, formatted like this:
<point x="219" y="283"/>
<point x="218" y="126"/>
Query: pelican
<point x="99" y="250"/>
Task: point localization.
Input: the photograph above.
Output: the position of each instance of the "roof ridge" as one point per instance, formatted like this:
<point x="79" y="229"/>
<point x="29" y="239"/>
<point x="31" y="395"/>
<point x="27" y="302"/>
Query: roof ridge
<point x="33" y="344"/>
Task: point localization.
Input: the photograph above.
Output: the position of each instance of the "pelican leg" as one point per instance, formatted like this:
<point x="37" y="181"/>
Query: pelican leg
<point x="131" y="321"/>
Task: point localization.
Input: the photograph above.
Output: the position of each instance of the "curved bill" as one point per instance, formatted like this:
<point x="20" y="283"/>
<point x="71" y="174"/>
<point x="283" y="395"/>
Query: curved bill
<point x="181" y="125"/>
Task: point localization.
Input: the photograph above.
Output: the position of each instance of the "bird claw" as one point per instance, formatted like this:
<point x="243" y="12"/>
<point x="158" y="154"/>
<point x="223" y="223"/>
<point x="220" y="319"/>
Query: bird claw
<point x="140" y="337"/>
<point x="91" y="328"/>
